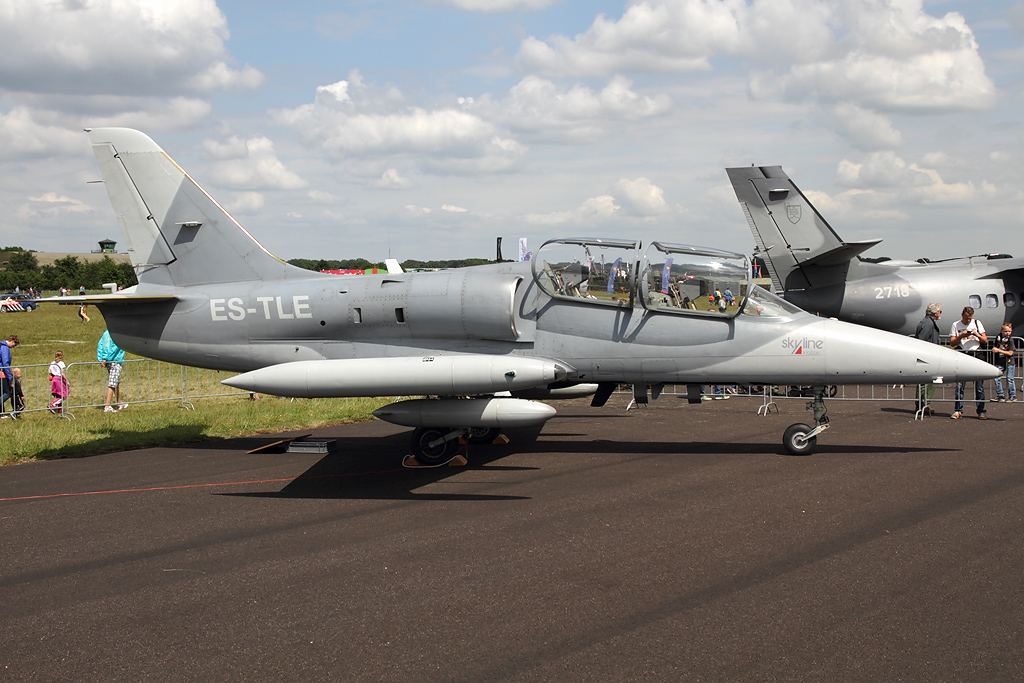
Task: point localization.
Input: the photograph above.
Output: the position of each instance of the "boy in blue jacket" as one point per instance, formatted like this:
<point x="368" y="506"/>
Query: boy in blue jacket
<point x="111" y="357"/>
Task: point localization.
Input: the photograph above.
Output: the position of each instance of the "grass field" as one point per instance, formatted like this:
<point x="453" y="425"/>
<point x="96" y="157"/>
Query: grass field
<point x="42" y="436"/>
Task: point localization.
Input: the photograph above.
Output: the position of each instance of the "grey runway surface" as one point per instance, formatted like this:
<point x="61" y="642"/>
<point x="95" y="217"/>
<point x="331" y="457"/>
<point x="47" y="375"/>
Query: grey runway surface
<point x="670" y="543"/>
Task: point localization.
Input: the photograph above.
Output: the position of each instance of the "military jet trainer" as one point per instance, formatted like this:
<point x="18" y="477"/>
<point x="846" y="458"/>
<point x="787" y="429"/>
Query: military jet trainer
<point x="584" y="310"/>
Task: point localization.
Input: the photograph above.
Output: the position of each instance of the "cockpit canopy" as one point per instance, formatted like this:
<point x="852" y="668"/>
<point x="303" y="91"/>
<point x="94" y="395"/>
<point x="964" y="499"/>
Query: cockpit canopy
<point x="667" y="278"/>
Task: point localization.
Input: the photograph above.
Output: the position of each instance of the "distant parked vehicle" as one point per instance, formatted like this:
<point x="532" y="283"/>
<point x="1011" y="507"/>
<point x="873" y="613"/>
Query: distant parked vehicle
<point x="11" y="302"/>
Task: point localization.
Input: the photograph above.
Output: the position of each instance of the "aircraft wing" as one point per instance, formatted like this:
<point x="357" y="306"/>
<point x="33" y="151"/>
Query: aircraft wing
<point x="1004" y="267"/>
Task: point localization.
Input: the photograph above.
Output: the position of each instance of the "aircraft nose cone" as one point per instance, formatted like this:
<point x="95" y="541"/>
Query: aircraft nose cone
<point x="884" y="357"/>
<point x="967" y="368"/>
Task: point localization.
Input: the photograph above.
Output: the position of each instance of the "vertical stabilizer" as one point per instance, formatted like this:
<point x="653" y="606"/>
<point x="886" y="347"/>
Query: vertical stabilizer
<point x="176" y="233"/>
<point x="799" y="247"/>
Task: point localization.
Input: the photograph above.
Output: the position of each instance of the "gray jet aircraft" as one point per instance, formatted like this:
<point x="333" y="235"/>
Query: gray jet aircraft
<point x="584" y="310"/>
<point x="811" y="266"/>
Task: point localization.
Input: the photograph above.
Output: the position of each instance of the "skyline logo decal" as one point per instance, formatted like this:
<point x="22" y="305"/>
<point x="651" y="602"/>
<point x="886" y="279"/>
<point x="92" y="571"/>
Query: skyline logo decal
<point x="804" y="347"/>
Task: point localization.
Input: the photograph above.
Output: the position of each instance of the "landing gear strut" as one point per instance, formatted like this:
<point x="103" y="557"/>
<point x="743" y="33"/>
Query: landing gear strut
<point x="801" y="439"/>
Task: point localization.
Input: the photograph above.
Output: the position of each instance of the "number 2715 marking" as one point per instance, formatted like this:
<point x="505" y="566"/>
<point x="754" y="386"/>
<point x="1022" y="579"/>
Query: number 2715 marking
<point x="898" y="291"/>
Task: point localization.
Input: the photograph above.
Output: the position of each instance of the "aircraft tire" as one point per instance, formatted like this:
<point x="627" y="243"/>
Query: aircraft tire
<point x="794" y="442"/>
<point x="424" y="452"/>
<point x="483" y="434"/>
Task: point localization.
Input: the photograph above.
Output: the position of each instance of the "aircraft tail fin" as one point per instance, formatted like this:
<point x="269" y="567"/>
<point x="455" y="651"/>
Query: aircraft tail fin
<point x="796" y="243"/>
<point x="176" y="233"/>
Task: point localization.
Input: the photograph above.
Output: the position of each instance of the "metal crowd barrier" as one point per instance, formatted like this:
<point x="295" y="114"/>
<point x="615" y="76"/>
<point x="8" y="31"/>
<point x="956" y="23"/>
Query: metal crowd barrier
<point x="149" y="381"/>
<point x="142" y="381"/>
<point x="944" y="393"/>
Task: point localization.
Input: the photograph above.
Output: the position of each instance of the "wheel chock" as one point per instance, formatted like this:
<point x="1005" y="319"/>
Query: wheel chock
<point x="500" y="439"/>
<point x="412" y="463"/>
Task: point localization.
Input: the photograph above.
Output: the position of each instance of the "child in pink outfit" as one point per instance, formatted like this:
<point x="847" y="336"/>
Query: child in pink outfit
<point x="58" y="382"/>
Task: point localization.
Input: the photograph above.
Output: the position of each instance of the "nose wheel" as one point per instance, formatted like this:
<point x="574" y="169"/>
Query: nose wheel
<point x="802" y="439"/>
<point x="797" y="441"/>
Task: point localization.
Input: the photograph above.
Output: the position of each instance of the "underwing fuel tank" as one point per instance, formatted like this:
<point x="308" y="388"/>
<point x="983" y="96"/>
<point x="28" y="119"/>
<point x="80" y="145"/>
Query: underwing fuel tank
<point x="446" y="375"/>
<point x="477" y="412"/>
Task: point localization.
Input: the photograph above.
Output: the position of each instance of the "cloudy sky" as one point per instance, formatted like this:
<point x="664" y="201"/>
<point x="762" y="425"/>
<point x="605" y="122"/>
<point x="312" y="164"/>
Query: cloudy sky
<point x="427" y="128"/>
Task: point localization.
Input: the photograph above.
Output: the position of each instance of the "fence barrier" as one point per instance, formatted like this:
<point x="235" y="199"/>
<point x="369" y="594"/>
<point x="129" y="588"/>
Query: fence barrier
<point x="145" y="380"/>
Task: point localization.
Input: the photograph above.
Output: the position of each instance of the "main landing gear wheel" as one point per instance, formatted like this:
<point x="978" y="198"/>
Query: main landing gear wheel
<point x="483" y="434"/>
<point x="430" y="446"/>
<point x="796" y="442"/>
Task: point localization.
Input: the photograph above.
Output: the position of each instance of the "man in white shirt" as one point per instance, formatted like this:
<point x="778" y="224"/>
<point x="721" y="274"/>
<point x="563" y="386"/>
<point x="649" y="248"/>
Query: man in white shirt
<point x="967" y="335"/>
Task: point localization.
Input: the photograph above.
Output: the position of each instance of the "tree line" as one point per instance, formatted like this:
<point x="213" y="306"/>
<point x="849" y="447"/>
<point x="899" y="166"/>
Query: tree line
<point x="363" y="264"/>
<point x="24" y="271"/>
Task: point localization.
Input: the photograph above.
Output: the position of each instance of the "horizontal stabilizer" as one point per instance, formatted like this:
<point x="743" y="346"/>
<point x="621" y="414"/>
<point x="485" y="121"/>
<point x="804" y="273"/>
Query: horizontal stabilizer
<point x="841" y="254"/>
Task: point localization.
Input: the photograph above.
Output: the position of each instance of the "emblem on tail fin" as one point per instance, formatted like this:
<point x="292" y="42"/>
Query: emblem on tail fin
<point x="793" y="213"/>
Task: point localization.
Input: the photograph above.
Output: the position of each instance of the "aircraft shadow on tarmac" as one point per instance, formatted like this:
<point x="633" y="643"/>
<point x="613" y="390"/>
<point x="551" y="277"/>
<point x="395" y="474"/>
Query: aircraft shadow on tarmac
<point x="369" y="468"/>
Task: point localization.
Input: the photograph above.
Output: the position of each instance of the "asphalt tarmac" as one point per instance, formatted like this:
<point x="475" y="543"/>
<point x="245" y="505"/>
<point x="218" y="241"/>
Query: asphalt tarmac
<point x="671" y="543"/>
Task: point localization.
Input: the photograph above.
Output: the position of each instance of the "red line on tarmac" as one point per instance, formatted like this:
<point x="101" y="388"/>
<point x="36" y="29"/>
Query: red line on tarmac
<point x="197" y="486"/>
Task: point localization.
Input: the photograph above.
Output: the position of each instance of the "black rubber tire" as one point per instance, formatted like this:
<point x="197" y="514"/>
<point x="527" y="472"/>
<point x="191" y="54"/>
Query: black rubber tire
<point x="483" y="434"/>
<point x="794" y="442"/>
<point x="427" y="455"/>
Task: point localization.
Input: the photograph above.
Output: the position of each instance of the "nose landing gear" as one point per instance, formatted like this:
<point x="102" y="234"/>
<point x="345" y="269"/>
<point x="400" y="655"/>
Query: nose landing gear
<point x="801" y="439"/>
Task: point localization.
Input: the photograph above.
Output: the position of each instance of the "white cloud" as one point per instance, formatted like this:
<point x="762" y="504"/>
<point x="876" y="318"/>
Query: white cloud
<point x="640" y="197"/>
<point x="321" y="197"/>
<point x="53" y="204"/>
<point x="250" y="164"/>
<point x="579" y="113"/>
<point x="453" y="209"/>
<point x="392" y="180"/>
<point x="354" y="118"/>
<point x="23" y="135"/>
<point x="245" y="203"/>
<point x="117" y="47"/>
<point x="863" y="128"/>
<point x="500" y="5"/>
<point x="886" y="179"/>
<point x="880" y="55"/>
<point x="893" y="56"/>
<point x="666" y="36"/>
<point x="151" y="113"/>
<point x="594" y="210"/>
<point x="220" y="76"/>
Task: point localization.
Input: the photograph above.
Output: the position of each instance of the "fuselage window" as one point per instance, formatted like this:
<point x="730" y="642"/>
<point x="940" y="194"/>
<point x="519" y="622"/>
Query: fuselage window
<point x="991" y="301"/>
<point x="1009" y="300"/>
<point x="974" y="301"/>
